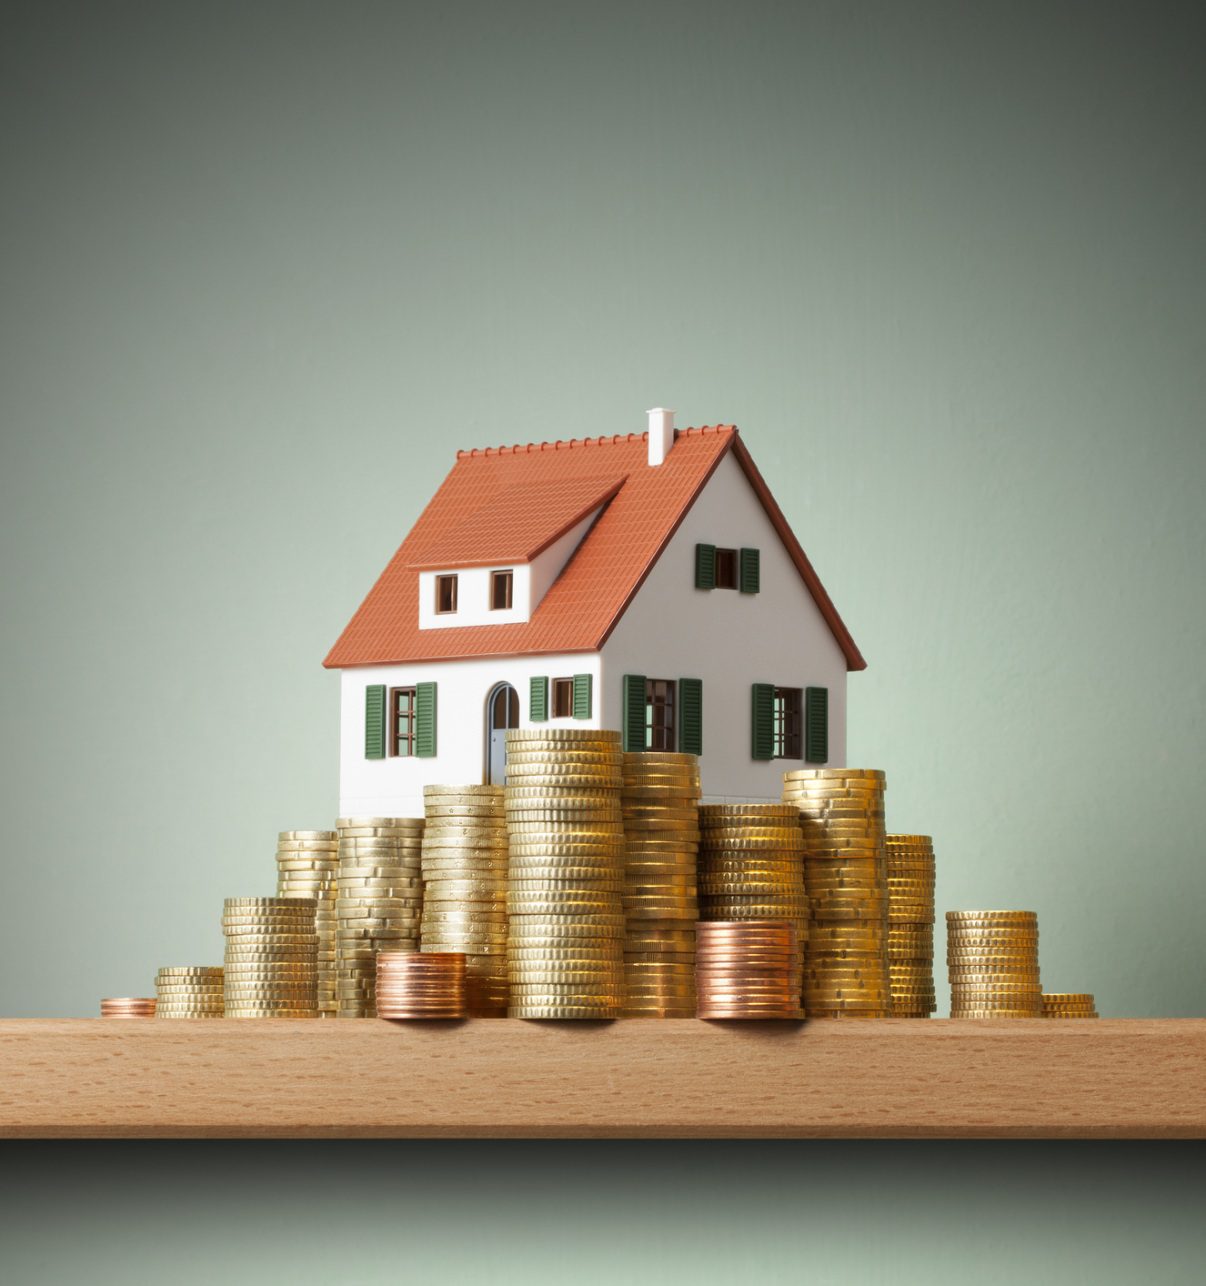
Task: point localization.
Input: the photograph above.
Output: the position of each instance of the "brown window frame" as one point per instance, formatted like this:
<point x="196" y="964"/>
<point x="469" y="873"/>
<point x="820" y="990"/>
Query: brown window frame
<point x="661" y="714"/>
<point x="397" y="737"/>
<point x="441" y="582"/>
<point x="730" y="562"/>
<point x="561" y="698"/>
<point x="507" y="580"/>
<point x="788" y="723"/>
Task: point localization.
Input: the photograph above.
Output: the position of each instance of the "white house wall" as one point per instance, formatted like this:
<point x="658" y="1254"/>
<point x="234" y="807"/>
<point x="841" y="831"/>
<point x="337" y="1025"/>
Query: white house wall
<point x="728" y="639"/>
<point x="393" y="787"/>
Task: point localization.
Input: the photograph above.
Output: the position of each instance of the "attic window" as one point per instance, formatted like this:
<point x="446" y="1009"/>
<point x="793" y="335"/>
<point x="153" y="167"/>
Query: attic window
<point x="501" y="584"/>
<point x="445" y="595"/>
<point x="726" y="569"/>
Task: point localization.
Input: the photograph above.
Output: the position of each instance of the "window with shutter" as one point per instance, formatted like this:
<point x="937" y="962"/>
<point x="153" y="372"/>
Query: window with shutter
<point x="425" y="720"/>
<point x="661" y="714"/>
<point x="816" y="725"/>
<point x="538" y="698"/>
<point x="582" y="696"/>
<point x="632" y="715"/>
<point x="751" y="574"/>
<point x="705" y="566"/>
<point x="762" y="721"/>
<point x="690" y="716"/>
<point x="374" y="721"/>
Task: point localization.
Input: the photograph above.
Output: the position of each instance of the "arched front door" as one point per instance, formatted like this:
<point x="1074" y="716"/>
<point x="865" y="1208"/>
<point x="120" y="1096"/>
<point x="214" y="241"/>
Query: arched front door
<point x="502" y="712"/>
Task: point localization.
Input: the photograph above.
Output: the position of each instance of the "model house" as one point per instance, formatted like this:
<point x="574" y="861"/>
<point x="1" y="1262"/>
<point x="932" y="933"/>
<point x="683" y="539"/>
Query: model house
<point x="646" y="582"/>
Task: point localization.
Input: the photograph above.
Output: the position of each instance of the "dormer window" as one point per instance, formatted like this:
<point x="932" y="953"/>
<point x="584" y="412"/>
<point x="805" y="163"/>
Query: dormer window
<point x="501" y="588"/>
<point x="445" y="595"/>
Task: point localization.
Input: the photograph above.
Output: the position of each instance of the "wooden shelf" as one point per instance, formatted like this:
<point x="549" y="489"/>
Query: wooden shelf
<point x="88" y="1078"/>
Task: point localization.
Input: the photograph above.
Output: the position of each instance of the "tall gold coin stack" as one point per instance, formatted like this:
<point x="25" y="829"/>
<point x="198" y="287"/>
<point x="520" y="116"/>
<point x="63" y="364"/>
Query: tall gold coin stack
<point x="661" y="904"/>
<point x="189" y="991"/>
<point x="465" y="889"/>
<point x="271" y="968"/>
<point x="307" y="863"/>
<point x="992" y="958"/>
<point x="845" y="868"/>
<point x="565" y="926"/>
<point x="751" y="867"/>
<point x="911" y="925"/>
<point x="1069" y="1004"/>
<point x="378" y="903"/>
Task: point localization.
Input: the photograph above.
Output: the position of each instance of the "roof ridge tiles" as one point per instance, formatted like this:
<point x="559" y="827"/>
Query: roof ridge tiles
<point x="567" y="444"/>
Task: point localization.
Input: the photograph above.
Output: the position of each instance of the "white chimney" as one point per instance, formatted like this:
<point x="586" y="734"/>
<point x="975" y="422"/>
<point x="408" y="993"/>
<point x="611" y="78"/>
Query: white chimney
<point x="661" y="434"/>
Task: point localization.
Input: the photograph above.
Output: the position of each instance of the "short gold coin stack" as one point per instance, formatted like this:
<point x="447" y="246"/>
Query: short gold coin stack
<point x="911" y="925"/>
<point x="751" y="867"/>
<point x="306" y="865"/>
<point x="378" y="903"/>
<point x="189" y="991"/>
<point x="661" y="904"/>
<point x="992" y="958"/>
<point x="128" y="1007"/>
<point x="565" y="925"/>
<point x="418" y="984"/>
<point x="748" y="969"/>
<point x="465" y="889"/>
<point x="1069" y="1004"/>
<point x="845" y="870"/>
<point x="271" y="967"/>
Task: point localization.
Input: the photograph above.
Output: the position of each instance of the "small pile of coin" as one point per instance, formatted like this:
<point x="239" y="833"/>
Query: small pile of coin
<point x="845" y="870"/>
<point x="417" y="984"/>
<point x="992" y="957"/>
<point x="660" y="804"/>
<point x="751" y="866"/>
<point x="271" y="967"/>
<point x="378" y="903"/>
<point x="465" y="888"/>
<point x="1069" y="1004"/>
<point x="911" y="924"/>
<point x="128" y="1007"/>
<point x="565" y="926"/>
<point x="748" y="969"/>
<point x="190" y="991"/>
<point x="306" y="865"/>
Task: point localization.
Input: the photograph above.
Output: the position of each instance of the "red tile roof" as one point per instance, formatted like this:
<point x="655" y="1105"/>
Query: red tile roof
<point x="523" y="498"/>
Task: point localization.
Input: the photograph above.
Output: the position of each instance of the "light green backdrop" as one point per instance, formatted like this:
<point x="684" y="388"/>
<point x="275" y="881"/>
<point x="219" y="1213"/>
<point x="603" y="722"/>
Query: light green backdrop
<point x="266" y="267"/>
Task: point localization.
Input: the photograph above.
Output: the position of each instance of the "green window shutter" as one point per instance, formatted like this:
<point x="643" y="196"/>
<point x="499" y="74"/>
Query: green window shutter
<point x="750" y="576"/>
<point x="538" y="698"/>
<point x="374" y="721"/>
<point x="425" y="720"/>
<point x="582" y="694"/>
<point x="816" y="725"/>
<point x="705" y="566"/>
<point x="632" y="720"/>
<point x="762" y="721"/>
<point x="690" y="716"/>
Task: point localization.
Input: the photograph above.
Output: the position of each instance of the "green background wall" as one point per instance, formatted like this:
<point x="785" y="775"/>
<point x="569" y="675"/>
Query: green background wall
<point x="264" y="268"/>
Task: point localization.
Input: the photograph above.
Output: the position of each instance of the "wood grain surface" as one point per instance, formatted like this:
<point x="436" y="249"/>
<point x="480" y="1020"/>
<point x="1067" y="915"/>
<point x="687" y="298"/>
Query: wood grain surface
<point x="93" y="1078"/>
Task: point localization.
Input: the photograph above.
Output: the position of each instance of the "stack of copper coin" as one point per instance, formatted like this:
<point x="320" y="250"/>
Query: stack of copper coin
<point x="911" y="924"/>
<point x="1069" y="1004"/>
<point x="465" y="889"/>
<point x="189" y="991"/>
<point x="661" y="844"/>
<point x="846" y="956"/>
<point x="271" y="966"/>
<point x="747" y="969"/>
<point x="128" y="1007"/>
<point x="378" y="904"/>
<point x="751" y="865"/>
<point x="307" y="863"/>
<point x="992" y="957"/>
<point x="420" y="984"/>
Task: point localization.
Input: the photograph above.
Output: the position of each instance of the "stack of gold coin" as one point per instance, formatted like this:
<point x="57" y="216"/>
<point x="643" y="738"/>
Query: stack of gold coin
<point x="271" y="968"/>
<point x="565" y="926"/>
<point x="748" y="969"/>
<point x="1069" y="1004"/>
<point x="993" y="961"/>
<point x="845" y="869"/>
<point x="911" y="924"/>
<point x="751" y="866"/>
<point x="417" y="984"/>
<point x="378" y="903"/>
<point x="465" y="888"/>
<point x="128" y="1007"/>
<point x="307" y="863"/>
<point x="189" y="991"/>
<point x="661" y="905"/>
